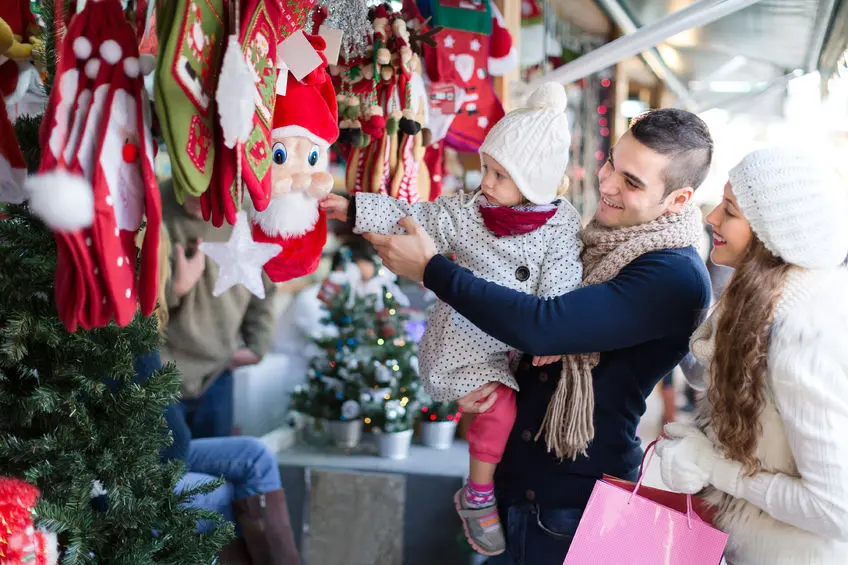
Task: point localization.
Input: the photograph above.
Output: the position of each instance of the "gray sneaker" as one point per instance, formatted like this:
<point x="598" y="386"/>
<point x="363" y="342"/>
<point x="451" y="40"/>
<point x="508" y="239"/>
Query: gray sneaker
<point x="482" y="526"/>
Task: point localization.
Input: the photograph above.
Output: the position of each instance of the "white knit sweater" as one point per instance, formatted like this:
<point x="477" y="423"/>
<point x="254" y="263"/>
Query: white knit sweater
<point x="794" y="512"/>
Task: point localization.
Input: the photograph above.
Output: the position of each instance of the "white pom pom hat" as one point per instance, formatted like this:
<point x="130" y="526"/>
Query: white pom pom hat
<point x="795" y="204"/>
<point x="532" y="144"/>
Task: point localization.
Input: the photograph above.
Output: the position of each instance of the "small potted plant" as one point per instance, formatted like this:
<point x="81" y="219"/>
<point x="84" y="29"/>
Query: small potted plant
<point x="393" y="420"/>
<point x="332" y="398"/>
<point x="438" y="422"/>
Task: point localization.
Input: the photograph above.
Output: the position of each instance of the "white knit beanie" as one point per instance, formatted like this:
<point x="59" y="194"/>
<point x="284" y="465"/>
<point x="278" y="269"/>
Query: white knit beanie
<point x="795" y="204"/>
<point x="532" y="144"/>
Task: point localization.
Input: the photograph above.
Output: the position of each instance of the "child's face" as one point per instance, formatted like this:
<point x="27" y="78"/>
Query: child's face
<point x="497" y="186"/>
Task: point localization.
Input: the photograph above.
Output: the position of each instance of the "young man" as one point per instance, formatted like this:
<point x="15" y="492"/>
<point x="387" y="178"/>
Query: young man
<point x="208" y="337"/>
<point x="645" y="290"/>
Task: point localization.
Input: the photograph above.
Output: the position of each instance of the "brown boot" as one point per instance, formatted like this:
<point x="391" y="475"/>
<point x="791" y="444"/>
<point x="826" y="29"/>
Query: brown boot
<point x="235" y="553"/>
<point x="266" y="527"/>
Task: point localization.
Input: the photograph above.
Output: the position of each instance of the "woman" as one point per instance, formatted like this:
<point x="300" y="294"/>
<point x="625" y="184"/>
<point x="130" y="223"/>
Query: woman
<point x="771" y="447"/>
<point x="252" y="496"/>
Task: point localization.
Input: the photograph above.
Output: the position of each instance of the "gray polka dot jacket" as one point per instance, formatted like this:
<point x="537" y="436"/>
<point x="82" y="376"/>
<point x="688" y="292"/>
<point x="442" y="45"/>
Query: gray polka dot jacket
<point x="455" y="356"/>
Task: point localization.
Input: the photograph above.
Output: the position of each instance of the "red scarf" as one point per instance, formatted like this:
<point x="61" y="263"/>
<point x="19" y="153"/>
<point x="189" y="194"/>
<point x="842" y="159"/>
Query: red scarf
<point x="503" y="221"/>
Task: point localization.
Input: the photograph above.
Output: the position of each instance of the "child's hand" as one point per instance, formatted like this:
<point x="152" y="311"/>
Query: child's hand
<point x="540" y="360"/>
<point x="335" y="206"/>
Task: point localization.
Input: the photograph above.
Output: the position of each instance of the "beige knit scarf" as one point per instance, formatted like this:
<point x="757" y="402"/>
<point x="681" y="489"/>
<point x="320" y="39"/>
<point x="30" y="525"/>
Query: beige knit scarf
<point x="568" y="425"/>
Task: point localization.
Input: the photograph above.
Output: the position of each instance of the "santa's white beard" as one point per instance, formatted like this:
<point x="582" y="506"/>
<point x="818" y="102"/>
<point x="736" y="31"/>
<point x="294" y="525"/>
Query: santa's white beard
<point x="289" y="215"/>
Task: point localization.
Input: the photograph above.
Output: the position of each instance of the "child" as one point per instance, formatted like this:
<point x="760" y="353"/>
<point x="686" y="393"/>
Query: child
<point x="514" y="231"/>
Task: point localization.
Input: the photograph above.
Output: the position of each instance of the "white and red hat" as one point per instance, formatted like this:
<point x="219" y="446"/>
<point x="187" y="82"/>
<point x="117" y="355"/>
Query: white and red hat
<point x="309" y="107"/>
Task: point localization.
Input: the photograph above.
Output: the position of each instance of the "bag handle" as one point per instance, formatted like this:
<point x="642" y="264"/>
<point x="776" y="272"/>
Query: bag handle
<point x="646" y="460"/>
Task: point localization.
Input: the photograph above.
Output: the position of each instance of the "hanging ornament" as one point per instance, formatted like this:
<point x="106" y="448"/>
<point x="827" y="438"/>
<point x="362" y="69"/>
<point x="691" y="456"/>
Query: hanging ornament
<point x="351" y="17"/>
<point x="98" y="497"/>
<point x="20" y="542"/>
<point x="240" y="260"/>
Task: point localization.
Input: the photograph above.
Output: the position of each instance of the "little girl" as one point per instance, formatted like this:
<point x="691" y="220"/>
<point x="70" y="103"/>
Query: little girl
<point x="514" y="231"/>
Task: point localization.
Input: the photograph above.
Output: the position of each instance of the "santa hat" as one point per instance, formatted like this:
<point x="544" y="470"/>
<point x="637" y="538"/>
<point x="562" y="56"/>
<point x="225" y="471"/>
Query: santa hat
<point x="309" y="108"/>
<point x="503" y="57"/>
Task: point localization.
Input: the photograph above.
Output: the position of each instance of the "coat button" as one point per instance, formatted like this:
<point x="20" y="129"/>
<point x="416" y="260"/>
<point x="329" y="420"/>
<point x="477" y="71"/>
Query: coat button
<point x="543" y="377"/>
<point x="527" y="435"/>
<point x="522" y="273"/>
<point x="530" y="495"/>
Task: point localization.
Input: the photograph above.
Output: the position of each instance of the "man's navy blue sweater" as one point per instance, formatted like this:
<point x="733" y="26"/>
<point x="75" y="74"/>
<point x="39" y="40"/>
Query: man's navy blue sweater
<point x="640" y="322"/>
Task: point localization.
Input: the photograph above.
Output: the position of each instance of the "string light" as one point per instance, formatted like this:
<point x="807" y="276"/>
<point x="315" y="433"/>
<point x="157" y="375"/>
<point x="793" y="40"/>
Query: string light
<point x="395" y="368"/>
<point x="404" y="401"/>
<point x="388" y="396"/>
<point x="367" y="420"/>
<point x="432" y="416"/>
<point x="450" y="417"/>
<point x="424" y="409"/>
<point x="388" y="295"/>
<point x="380" y="341"/>
<point x="605" y="132"/>
<point x="605" y="82"/>
<point x="602" y="109"/>
<point x="603" y="122"/>
<point x="392" y="312"/>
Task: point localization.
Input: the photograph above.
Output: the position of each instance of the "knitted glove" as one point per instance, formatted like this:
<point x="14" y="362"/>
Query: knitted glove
<point x="690" y="462"/>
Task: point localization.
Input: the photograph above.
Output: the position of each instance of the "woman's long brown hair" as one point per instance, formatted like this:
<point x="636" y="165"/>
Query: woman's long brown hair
<point x="738" y="372"/>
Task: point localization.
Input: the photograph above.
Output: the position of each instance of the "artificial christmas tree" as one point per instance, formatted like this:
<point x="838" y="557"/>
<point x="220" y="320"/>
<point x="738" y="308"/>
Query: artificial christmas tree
<point x="73" y="416"/>
<point x="368" y="367"/>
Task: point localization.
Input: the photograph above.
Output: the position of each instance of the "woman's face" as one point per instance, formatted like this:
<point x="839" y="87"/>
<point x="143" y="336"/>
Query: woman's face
<point x="731" y="231"/>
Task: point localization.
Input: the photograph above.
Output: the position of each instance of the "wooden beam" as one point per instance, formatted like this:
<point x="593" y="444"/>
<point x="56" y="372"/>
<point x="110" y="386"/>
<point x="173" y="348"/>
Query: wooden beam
<point x="511" y="11"/>
<point x="584" y="14"/>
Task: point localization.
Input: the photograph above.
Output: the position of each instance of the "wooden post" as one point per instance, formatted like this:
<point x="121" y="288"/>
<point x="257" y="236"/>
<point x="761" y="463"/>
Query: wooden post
<point x="511" y="10"/>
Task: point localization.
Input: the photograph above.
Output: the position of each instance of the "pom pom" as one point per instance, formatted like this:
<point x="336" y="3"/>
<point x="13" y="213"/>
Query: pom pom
<point x="92" y="67"/>
<point x="132" y="67"/>
<point x="82" y="48"/>
<point x="110" y="51"/>
<point x="549" y="96"/>
<point x="409" y="127"/>
<point x="387" y="73"/>
<point x="235" y="95"/>
<point x="63" y="201"/>
<point x="147" y="63"/>
<point x="384" y="56"/>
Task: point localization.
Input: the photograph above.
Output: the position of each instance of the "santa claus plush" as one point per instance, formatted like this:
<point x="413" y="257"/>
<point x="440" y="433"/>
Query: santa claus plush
<point x="305" y="126"/>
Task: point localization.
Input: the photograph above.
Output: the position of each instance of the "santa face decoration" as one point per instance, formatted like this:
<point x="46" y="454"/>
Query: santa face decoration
<point x="305" y="125"/>
<point x="299" y="179"/>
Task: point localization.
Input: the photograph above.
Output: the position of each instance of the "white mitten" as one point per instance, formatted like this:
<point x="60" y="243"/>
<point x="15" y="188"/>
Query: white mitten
<point x="690" y="462"/>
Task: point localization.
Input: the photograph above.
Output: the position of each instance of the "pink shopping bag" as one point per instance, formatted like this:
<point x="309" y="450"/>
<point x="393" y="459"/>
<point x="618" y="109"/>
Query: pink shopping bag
<point x="620" y="527"/>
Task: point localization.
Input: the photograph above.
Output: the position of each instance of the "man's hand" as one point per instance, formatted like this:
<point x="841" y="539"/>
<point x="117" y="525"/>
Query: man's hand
<point x="480" y="400"/>
<point x="187" y="271"/>
<point x="405" y="255"/>
<point x="335" y="206"/>
<point x="243" y="357"/>
<point x="540" y="360"/>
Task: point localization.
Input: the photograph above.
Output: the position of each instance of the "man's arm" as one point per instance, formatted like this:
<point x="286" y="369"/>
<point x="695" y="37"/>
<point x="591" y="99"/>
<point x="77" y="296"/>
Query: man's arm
<point x="649" y="299"/>
<point x="257" y="328"/>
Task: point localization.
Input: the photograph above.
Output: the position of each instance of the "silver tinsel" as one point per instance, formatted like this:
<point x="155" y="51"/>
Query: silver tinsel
<point x="350" y="16"/>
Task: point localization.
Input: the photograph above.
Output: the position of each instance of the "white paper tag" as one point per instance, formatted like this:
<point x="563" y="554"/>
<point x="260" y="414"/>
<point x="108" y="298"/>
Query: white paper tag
<point x="298" y="55"/>
<point x="282" y="77"/>
<point x="333" y="37"/>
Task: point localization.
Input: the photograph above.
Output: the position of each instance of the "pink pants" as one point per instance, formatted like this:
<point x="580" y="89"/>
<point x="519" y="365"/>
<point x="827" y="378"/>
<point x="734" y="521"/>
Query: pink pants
<point x="489" y="432"/>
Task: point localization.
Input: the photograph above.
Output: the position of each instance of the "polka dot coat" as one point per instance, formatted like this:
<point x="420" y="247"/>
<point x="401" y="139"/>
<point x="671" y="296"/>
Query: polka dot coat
<point x="455" y="356"/>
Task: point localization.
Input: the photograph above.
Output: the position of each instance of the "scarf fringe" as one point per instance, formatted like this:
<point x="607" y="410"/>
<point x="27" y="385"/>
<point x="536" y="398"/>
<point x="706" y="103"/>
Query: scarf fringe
<point x="568" y="426"/>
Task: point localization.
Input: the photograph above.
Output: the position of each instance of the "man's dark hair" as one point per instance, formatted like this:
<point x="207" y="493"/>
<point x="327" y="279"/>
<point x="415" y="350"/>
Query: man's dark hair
<point x="684" y="138"/>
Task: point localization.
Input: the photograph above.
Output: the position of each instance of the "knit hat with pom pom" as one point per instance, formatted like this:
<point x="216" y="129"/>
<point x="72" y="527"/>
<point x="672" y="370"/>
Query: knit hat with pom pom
<point x="532" y="144"/>
<point x="795" y="203"/>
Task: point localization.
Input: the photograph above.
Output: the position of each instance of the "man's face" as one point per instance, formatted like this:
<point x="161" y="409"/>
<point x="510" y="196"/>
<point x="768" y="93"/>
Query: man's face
<point x="632" y="186"/>
<point x="192" y="206"/>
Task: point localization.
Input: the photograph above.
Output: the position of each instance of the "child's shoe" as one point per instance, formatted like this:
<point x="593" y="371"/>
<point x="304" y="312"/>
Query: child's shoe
<point x="482" y="526"/>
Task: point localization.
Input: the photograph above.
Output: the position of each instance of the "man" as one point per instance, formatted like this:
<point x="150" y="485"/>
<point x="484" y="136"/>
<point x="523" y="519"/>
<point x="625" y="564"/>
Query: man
<point x="208" y="337"/>
<point x="645" y="289"/>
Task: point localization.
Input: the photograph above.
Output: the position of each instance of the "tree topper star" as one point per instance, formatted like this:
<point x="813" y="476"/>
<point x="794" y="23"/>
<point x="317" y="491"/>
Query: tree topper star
<point x="241" y="259"/>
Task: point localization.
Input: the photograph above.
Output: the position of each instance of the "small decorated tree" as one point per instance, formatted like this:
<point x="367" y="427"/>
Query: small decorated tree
<point x="367" y="367"/>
